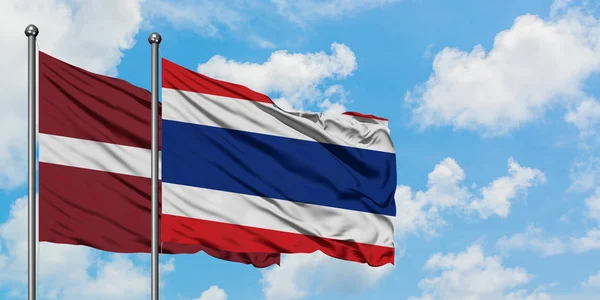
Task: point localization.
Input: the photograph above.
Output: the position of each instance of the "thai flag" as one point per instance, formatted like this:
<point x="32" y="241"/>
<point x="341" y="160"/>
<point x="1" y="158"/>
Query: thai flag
<point x="240" y="174"/>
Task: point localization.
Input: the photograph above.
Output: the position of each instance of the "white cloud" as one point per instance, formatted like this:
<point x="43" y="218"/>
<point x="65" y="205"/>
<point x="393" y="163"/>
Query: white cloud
<point x="215" y="18"/>
<point x="525" y="295"/>
<point x="415" y="214"/>
<point x="334" y="100"/>
<point x="168" y="266"/>
<point x="70" y="31"/>
<point x="298" y="88"/>
<point x="533" y="65"/>
<point x="302" y="274"/>
<point x="201" y="16"/>
<point x="420" y="212"/>
<point x="559" y="6"/>
<point x="585" y="174"/>
<point x="472" y="275"/>
<point x="89" y="276"/>
<point x="592" y="282"/>
<point x="444" y="185"/>
<point x="261" y="42"/>
<point x="301" y="11"/>
<point x="589" y="242"/>
<point x="533" y="240"/>
<point x="586" y="117"/>
<point x="592" y="203"/>
<point x="213" y="293"/>
<point x="498" y="195"/>
<point x="118" y="278"/>
<point x="427" y="53"/>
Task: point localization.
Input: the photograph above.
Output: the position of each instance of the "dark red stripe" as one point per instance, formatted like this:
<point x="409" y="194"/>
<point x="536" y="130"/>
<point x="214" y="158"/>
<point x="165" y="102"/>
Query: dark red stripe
<point x="357" y="114"/>
<point x="242" y="238"/>
<point x="79" y="104"/>
<point x="109" y="212"/>
<point x="177" y="77"/>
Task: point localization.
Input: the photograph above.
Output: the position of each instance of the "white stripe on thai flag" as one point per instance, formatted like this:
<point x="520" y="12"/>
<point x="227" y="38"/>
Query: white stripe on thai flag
<point x="241" y="174"/>
<point x="267" y="119"/>
<point x="263" y="212"/>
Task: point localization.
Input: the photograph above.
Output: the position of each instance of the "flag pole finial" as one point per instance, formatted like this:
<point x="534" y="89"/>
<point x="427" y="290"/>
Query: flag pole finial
<point x="32" y="30"/>
<point x="154" y="38"/>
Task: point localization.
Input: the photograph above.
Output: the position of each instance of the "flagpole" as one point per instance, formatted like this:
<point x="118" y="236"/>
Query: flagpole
<point x="154" y="39"/>
<point x="31" y="32"/>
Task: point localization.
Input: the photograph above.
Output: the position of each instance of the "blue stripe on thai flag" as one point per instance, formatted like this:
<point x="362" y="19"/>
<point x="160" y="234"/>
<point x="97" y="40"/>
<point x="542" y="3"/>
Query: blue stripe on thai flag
<point x="277" y="167"/>
<point x="270" y="180"/>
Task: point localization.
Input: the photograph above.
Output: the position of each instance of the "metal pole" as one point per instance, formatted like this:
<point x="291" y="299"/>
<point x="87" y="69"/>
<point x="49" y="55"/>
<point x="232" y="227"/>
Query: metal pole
<point x="31" y="32"/>
<point x="154" y="39"/>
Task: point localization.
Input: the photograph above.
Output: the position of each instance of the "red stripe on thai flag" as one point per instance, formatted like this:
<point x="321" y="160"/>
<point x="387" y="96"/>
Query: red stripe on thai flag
<point x="219" y="235"/>
<point x="179" y="78"/>
<point x="366" y="116"/>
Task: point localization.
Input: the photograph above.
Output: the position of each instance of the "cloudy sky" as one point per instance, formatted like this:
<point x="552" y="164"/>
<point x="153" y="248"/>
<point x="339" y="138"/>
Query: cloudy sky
<point x="494" y="112"/>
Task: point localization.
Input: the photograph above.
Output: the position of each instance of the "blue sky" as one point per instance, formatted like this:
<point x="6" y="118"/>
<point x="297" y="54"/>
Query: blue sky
<point x="493" y="109"/>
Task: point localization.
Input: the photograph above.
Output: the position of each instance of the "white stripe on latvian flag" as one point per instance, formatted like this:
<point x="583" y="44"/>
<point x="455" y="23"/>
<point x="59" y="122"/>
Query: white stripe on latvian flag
<point x="98" y="156"/>
<point x="241" y="174"/>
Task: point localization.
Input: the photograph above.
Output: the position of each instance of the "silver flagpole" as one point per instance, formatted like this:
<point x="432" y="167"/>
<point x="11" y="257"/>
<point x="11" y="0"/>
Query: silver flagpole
<point x="31" y="32"/>
<point x="154" y="39"/>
